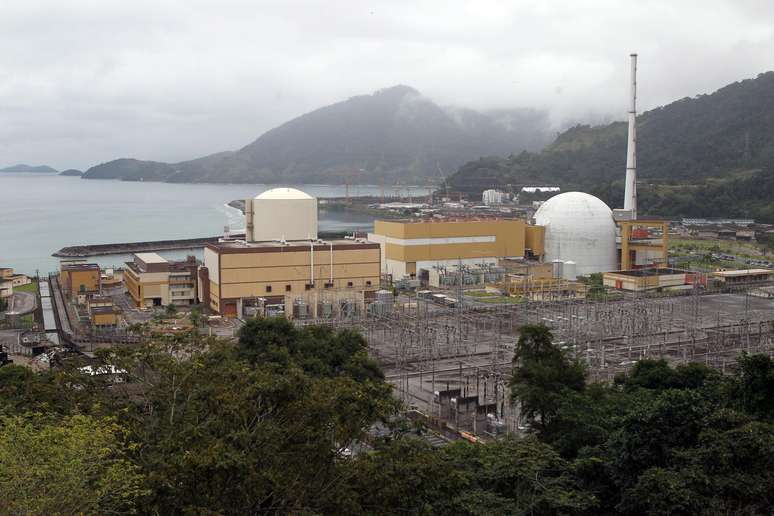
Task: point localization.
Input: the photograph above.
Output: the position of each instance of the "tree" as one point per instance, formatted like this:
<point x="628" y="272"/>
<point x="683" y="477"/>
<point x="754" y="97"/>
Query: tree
<point x="542" y="375"/>
<point x="77" y="465"/>
<point x="196" y="317"/>
<point x="508" y="476"/>
<point x="754" y="390"/>
<point x="252" y="427"/>
<point x="171" y="310"/>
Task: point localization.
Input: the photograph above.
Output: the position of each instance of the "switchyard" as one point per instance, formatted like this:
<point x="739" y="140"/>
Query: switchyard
<point x="455" y="363"/>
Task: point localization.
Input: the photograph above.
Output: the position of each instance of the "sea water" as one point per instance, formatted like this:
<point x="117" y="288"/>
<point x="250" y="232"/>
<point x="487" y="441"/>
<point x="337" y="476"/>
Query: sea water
<point x="41" y="213"/>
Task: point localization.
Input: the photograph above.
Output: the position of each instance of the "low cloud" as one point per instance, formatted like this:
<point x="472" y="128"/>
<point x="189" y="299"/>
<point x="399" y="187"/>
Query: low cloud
<point x="86" y="81"/>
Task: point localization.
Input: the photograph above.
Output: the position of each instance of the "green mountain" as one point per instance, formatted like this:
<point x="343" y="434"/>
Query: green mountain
<point x="395" y="134"/>
<point x="703" y="156"/>
<point x="29" y="168"/>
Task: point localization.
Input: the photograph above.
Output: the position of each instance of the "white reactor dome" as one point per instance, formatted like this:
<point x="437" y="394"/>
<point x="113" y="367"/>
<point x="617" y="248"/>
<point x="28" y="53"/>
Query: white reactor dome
<point x="281" y="214"/>
<point x="580" y="228"/>
<point x="283" y="194"/>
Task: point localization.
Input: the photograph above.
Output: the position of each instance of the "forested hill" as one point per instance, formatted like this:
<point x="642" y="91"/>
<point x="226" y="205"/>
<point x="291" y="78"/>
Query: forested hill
<point x="709" y="145"/>
<point x="395" y="134"/>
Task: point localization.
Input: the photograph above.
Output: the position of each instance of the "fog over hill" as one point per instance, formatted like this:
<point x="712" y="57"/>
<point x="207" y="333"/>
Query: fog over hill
<point x="707" y="155"/>
<point x="395" y="134"/>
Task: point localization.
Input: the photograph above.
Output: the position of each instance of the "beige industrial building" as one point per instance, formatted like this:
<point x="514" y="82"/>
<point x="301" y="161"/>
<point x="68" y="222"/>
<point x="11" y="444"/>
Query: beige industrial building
<point x="742" y="276"/>
<point x="283" y="268"/>
<point x="409" y="246"/>
<point x="6" y="282"/>
<point x="649" y="278"/>
<point x="152" y="280"/>
<point x="283" y="275"/>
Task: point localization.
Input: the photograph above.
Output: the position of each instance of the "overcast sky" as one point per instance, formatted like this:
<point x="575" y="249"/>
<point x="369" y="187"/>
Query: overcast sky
<point x="87" y="81"/>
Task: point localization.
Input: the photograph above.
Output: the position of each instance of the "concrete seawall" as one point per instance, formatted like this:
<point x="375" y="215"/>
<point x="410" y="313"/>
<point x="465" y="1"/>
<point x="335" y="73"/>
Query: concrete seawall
<point x="83" y="251"/>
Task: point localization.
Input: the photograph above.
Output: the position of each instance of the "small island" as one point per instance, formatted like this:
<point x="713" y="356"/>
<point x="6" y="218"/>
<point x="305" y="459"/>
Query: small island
<point x="21" y="167"/>
<point x="71" y="172"/>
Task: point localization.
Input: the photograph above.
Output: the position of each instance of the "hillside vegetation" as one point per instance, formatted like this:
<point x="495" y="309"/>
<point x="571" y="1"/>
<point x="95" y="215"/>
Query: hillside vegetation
<point x="396" y="134"/>
<point x="702" y="156"/>
<point x="301" y="421"/>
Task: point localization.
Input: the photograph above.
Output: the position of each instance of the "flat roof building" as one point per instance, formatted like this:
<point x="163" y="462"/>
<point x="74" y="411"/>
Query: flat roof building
<point x="6" y="283"/>
<point x="649" y="278"/>
<point x="80" y="279"/>
<point x="743" y="276"/>
<point x="408" y="246"/>
<point x="314" y="275"/>
<point x="152" y="280"/>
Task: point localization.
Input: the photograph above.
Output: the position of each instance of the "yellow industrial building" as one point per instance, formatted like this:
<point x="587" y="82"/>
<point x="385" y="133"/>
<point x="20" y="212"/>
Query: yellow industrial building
<point x="283" y="268"/>
<point x="80" y="279"/>
<point x="151" y="280"/>
<point x="408" y="246"/>
<point x="102" y="312"/>
<point x="312" y="277"/>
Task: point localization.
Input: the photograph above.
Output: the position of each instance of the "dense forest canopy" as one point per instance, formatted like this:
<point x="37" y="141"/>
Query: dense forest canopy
<point x="265" y="425"/>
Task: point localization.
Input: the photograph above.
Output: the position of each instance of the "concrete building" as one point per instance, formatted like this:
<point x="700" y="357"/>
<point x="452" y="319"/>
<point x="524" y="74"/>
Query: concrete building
<point x="102" y="312"/>
<point x="643" y="243"/>
<point x="17" y="280"/>
<point x="6" y="282"/>
<point x="80" y="279"/>
<point x="154" y="281"/>
<point x="491" y="197"/>
<point x="639" y="280"/>
<point x="281" y="214"/>
<point x="408" y="246"/>
<point x="298" y="278"/>
<point x="743" y="276"/>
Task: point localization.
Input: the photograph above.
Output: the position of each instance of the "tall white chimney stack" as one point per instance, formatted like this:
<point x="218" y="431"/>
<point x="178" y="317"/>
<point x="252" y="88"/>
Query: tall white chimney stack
<point x="630" y="195"/>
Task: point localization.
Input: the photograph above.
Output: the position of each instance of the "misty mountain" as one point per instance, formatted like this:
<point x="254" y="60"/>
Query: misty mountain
<point x="29" y="168"/>
<point x="690" y="153"/>
<point x="395" y="134"/>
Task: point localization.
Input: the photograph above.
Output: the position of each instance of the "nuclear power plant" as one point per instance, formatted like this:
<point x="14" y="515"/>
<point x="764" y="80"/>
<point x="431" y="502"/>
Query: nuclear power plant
<point x="282" y="267"/>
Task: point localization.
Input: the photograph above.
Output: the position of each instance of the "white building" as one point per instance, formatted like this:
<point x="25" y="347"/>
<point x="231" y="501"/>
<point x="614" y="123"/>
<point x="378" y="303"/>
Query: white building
<point x="490" y="197"/>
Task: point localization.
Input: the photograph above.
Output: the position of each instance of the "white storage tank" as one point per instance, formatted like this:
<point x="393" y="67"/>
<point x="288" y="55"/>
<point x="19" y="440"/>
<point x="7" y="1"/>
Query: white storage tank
<point x="557" y="268"/>
<point x="569" y="270"/>
<point x="281" y="214"/>
<point x="580" y="228"/>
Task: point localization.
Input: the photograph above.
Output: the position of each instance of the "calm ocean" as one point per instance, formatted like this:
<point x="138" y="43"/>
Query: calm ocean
<point x="41" y="213"/>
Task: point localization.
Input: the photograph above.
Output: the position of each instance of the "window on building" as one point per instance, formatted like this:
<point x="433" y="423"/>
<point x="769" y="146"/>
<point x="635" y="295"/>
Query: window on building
<point x="349" y="283"/>
<point x="308" y="286"/>
<point x="368" y="283"/>
<point x="268" y="288"/>
<point x="287" y="288"/>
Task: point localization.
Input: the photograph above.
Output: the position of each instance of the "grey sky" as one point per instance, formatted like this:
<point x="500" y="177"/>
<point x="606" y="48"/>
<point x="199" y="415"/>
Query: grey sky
<point x="87" y="81"/>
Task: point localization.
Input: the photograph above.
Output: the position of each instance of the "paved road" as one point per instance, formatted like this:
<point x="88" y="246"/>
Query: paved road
<point x="22" y="303"/>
